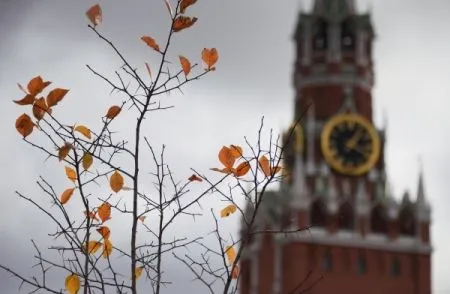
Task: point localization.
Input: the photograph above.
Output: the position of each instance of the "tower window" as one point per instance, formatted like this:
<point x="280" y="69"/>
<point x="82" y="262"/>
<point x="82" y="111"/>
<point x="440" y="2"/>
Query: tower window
<point x="395" y="267"/>
<point x="348" y="35"/>
<point x="361" y="265"/>
<point x="320" y="35"/>
<point x="318" y="215"/>
<point x="327" y="261"/>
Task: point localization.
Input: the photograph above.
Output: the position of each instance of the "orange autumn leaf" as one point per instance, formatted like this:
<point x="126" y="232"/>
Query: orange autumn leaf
<point x="185" y="4"/>
<point x="116" y="181"/>
<point x="210" y="57"/>
<point x="183" y="22"/>
<point x="138" y="271"/>
<point x="231" y="254"/>
<point x="227" y="211"/>
<point x="113" y="111"/>
<point x="36" y="85"/>
<point x="142" y="218"/>
<point x="72" y="284"/>
<point x="104" y="231"/>
<point x="264" y="165"/>
<point x="235" y="272"/>
<point x="236" y="150"/>
<point x="185" y="65"/>
<point x="242" y="169"/>
<point x="70" y="173"/>
<point x="148" y="70"/>
<point x="87" y="160"/>
<point x="104" y="211"/>
<point x="84" y="131"/>
<point x="24" y="125"/>
<point x="91" y="215"/>
<point x="150" y="42"/>
<point x="224" y="170"/>
<point x="27" y="100"/>
<point x="92" y="247"/>
<point x="55" y="96"/>
<point x="40" y="108"/>
<point x="64" y="150"/>
<point x="107" y="248"/>
<point x="227" y="157"/>
<point x="195" y="178"/>
<point x="94" y="15"/>
<point x="65" y="196"/>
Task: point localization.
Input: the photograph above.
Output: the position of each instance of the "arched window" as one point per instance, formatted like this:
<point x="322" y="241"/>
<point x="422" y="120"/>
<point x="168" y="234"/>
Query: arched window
<point x="395" y="267"/>
<point x="320" y="41"/>
<point x="318" y="215"/>
<point x="327" y="261"/>
<point x="346" y="217"/>
<point x="407" y="221"/>
<point x="378" y="220"/>
<point x="348" y="38"/>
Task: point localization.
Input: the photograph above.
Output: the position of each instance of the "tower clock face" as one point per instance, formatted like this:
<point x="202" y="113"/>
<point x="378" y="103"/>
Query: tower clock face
<point x="350" y="144"/>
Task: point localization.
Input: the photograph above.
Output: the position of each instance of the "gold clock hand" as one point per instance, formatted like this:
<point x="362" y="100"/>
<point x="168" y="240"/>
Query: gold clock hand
<point x="351" y="143"/>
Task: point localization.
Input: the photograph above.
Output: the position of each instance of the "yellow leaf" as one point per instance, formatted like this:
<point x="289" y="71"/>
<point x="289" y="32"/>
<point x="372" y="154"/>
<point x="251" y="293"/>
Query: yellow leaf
<point x="185" y="65"/>
<point x="93" y="246"/>
<point x="107" y="248"/>
<point x="71" y="174"/>
<point x="113" y="111"/>
<point x="87" y="160"/>
<point x="150" y="42"/>
<point x="104" y="231"/>
<point x="84" y="131"/>
<point x="210" y="57"/>
<point x="24" y="125"/>
<point x="185" y="4"/>
<point x="231" y="254"/>
<point x="264" y="165"/>
<point x="104" y="211"/>
<point x="94" y="14"/>
<point x="228" y="210"/>
<point x="56" y="95"/>
<point x="64" y="150"/>
<point x="138" y="271"/>
<point x="65" y="196"/>
<point x="227" y="157"/>
<point x="116" y="181"/>
<point x="72" y="284"/>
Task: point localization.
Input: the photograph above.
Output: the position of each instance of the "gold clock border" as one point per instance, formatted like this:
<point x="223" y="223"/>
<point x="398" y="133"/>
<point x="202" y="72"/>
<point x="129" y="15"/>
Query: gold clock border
<point x="325" y="143"/>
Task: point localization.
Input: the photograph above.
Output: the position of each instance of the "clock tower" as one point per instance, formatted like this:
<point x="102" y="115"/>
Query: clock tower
<point x="360" y="238"/>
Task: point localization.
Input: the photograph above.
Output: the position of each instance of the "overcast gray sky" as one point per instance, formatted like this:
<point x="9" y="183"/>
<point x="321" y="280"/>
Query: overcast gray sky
<point x="253" y="78"/>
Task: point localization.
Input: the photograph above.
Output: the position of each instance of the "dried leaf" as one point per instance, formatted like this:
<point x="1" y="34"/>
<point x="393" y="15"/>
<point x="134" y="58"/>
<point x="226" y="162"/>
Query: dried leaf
<point x="84" y="131"/>
<point x="40" y="108"/>
<point x="148" y="70"/>
<point x="227" y="157"/>
<point x="72" y="284"/>
<point x="71" y="174"/>
<point x="55" y="96"/>
<point x="195" y="178"/>
<point x="183" y="22"/>
<point x="36" y="85"/>
<point x="24" y="125"/>
<point x="235" y="272"/>
<point x="236" y="151"/>
<point x="91" y="215"/>
<point x="104" y="231"/>
<point x="113" y="111"/>
<point x="94" y="15"/>
<point x="107" y="248"/>
<point x="65" y="196"/>
<point x="116" y="181"/>
<point x="224" y="170"/>
<point x="264" y="165"/>
<point x="242" y="169"/>
<point x="104" y="212"/>
<point x="210" y="57"/>
<point x="142" y="218"/>
<point x="231" y="254"/>
<point x="92" y="247"/>
<point x="138" y="271"/>
<point x="27" y="100"/>
<point x="64" y="151"/>
<point x="227" y="211"/>
<point x="185" y="4"/>
<point x="87" y="160"/>
<point x="185" y="65"/>
<point x="150" y="42"/>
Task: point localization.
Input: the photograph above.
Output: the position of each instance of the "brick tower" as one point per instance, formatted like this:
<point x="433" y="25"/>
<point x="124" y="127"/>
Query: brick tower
<point x="362" y="240"/>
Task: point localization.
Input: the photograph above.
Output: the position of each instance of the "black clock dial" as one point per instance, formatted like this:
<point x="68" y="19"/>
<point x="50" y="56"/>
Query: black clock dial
<point x="351" y="143"/>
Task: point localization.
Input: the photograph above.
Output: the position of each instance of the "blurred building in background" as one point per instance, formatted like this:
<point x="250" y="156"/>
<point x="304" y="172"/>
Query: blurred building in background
<point x="362" y="240"/>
